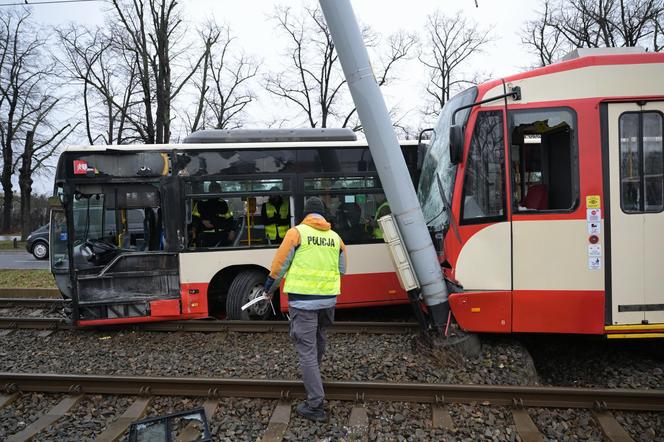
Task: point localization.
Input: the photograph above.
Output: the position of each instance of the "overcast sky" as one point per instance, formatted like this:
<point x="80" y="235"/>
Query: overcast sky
<point x="257" y="35"/>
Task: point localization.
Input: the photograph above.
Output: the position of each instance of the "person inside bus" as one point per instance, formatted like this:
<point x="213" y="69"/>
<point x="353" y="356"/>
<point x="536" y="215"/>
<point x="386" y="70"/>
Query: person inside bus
<point x="382" y="210"/>
<point x="275" y="214"/>
<point x="349" y="222"/>
<point x="213" y="221"/>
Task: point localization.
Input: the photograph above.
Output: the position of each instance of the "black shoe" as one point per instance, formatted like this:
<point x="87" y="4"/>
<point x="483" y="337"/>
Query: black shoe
<point x="313" y="414"/>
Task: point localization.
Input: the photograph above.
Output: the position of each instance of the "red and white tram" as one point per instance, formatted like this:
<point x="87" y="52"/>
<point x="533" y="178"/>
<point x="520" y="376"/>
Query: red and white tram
<point x="552" y="199"/>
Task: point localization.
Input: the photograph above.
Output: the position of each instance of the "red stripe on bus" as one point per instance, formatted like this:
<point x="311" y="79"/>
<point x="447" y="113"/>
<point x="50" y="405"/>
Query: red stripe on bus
<point x="134" y="320"/>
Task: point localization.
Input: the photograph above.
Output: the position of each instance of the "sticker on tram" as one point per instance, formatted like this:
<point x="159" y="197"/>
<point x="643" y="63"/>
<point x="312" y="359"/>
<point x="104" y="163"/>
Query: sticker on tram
<point x="594" y="263"/>
<point x="594" y="228"/>
<point x="592" y="201"/>
<point x="594" y="250"/>
<point x="594" y="215"/>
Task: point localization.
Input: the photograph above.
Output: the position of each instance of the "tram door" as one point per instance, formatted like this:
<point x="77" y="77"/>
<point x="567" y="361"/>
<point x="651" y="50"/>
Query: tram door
<point x="636" y="188"/>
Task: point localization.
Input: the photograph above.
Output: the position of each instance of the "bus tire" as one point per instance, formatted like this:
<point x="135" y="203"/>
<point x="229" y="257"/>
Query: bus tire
<point x="245" y="287"/>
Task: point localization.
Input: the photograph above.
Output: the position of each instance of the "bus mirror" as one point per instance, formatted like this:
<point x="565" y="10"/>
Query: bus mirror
<point x="456" y="144"/>
<point x="251" y="204"/>
<point x="54" y="202"/>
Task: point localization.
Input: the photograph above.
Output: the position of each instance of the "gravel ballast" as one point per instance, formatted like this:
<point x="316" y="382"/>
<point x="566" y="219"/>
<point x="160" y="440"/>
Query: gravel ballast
<point x="87" y="419"/>
<point x="360" y="357"/>
<point x="23" y="411"/>
<point x="597" y="363"/>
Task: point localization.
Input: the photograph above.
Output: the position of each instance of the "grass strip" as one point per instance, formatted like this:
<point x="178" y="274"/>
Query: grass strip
<point x="26" y="279"/>
<point x="9" y="245"/>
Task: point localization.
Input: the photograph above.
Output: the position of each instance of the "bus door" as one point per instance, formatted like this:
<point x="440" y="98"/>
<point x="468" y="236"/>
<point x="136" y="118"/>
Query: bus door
<point x="125" y="251"/>
<point x="636" y="217"/>
<point x="555" y="289"/>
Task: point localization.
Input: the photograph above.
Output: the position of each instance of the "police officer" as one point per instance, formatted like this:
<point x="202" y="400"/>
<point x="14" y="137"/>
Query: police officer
<point x="276" y="217"/>
<point x="312" y="259"/>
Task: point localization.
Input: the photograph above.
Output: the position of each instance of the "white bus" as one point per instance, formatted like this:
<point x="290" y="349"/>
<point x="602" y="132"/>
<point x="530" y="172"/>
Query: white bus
<point x="167" y="265"/>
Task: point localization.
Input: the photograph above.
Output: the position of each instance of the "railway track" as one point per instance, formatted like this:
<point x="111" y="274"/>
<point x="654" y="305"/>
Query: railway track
<point x="19" y="292"/>
<point x="31" y="302"/>
<point x="439" y="396"/>
<point x="55" y="324"/>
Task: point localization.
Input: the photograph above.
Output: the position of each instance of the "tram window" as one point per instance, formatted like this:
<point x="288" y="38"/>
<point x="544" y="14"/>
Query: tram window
<point x="353" y="215"/>
<point x="544" y="160"/>
<point x="641" y="162"/>
<point x="483" y="187"/>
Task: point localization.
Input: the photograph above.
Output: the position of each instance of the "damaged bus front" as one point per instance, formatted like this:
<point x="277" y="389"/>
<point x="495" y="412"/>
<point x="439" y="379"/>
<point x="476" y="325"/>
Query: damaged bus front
<point x="115" y="236"/>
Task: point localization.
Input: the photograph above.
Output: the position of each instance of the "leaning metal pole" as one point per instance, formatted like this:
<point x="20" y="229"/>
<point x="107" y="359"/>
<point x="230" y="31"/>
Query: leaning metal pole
<point x="386" y="154"/>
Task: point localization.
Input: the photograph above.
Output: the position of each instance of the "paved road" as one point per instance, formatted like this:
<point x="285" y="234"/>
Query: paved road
<point x="20" y="260"/>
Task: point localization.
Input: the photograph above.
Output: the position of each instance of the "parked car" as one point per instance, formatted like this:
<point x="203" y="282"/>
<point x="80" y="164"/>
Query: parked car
<point x="37" y="242"/>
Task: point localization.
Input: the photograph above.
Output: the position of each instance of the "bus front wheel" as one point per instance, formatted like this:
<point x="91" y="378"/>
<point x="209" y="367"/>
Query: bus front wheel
<point x="246" y="286"/>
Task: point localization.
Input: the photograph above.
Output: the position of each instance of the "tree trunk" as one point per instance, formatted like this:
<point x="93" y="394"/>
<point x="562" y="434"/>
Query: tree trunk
<point x="25" y="184"/>
<point x="9" y="196"/>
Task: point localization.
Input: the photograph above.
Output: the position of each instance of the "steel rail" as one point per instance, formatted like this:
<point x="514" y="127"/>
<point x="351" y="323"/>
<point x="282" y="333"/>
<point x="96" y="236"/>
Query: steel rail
<point x="20" y="292"/>
<point x="30" y="302"/>
<point x="552" y="397"/>
<point x="212" y="326"/>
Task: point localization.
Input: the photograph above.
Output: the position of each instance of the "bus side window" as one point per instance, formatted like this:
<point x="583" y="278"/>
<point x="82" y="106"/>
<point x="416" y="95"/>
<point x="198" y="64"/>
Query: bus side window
<point x="353" y="216"/>
<point x="544" y="160"/>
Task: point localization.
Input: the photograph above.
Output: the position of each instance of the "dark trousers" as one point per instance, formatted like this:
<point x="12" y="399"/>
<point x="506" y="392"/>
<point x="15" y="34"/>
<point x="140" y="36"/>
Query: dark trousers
<point x="308" y="332"/>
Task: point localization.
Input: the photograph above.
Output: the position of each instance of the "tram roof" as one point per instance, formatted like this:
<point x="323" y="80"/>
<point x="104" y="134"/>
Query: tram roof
<point x="597" y="73"/>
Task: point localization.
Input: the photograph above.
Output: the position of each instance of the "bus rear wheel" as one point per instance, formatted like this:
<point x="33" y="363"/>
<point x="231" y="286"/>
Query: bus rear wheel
<point x="246" y="286"/>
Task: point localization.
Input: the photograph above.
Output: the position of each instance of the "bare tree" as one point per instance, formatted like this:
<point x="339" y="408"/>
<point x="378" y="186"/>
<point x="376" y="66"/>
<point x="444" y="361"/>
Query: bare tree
<point x="19" y="84"/>
<point x="314" y="82"/>
<point x="108" y="81"/>
<point x="567" y="24"/>
<point x="27" y="109"/>
<point x="222" y="86"/>
<point x="543" y="39"/>
<point x="148" y="31"/>
<point x="658" y="33"/>
<point x="451" y="42"/>
<point x="36" y="152"/>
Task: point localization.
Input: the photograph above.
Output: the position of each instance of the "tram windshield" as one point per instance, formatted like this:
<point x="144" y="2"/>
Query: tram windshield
<point x="437" y="163"/>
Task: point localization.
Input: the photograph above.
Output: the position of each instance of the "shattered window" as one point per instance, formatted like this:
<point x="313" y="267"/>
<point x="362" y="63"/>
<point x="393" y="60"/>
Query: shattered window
<point x="437" y="166"/>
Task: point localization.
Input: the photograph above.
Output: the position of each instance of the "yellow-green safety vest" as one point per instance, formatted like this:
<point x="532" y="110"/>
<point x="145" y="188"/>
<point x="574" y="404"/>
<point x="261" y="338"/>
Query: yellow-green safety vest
<point x="272" y="229"/>
<point x="315" y="266"/>
<point x="378" y="232"/>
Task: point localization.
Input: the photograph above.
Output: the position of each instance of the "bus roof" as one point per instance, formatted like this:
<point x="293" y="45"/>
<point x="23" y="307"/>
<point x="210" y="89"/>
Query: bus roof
<point x="226" y="146"/>
<point x="271" y="135"/>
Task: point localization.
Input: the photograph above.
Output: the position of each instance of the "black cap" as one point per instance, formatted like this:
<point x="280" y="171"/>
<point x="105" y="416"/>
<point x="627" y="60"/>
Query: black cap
<point x="314" y="205"/>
